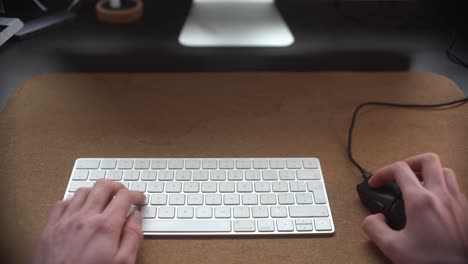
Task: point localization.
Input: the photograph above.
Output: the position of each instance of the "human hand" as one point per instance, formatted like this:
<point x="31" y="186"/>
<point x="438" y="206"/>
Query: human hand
<point x="436" y="228"/>
<point x="92" y="227"/>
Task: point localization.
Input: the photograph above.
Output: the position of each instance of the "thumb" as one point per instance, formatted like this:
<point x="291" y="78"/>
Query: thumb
<point x="376" y="228"/>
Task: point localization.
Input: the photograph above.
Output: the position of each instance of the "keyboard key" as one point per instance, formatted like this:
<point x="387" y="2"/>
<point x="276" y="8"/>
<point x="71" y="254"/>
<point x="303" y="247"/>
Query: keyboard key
<point x="285" y="198"/>
<point x="108" y="164"/>
<point x="260" y="164"/>
<point x="97" y="174"/>
<point x="148" y="175"/>
<point x="266" y="225"/>
<point x="138" y="186"/>
<point x="185" y="212"/>
<point x="244" y="187"/>
<point x="175" y="164"/>
<point x="252" y="175"/>
<point x="226" y="187"/>
<point x="213" y="199"/>
<point x="142" y="164"/>
<point x="304" y="198"/>
<point x="231" y="199"/>
<point x="192" y="164"/>
<point x="158" y="164"/>
<point x="308" y="174"/>
<point x="148" y="212"/>
<point x="304" y="228"/>
<point x="159" y="199"/>
<point x="210" y="164"/>
<point x="297" y="186"/>
<point x="260" y="212"/>
<point x="249" y="199"/>
<point x="270" y="175"/>
<point x="187" y="226"/>
<point x="173" y="187"/>
<point x="80" y="175"/>
<point x="200" y="175"/>
<point x="317" y="188"/>
<point x="87" y="164"/>
<point x="218" y="175"/>
<point x="191" y="187"/>
<point x="114" y="175"/>
<point x="280" y="186"/>
<point x="183" y="175"/>
<point x="125" y="164"/>
<point x="195" y="199"/>
<point x="304" y="225"/>
<point x="241" y="212"/>
<point x="166" y="212"/>
<point x="209" y="187"/>
<point x="308" y="211"/>
<point x="222" y="212"/>
<point x="294" y="164"/>
<point x="262" y="187"/>
<point x="235" y="175"/>
<point x="277" y="163"/>
<point x="244" y="226"/>
<point x="278" y="211"/>
<point x="267" y="198"/>
<point x="287" y="175"/>
<point x="310" y="163"/>
<point x="156" y="187"/>
<point x="131" y="175"/>
<point x="226" y="164"/>
<point x="166" y="175"/>
<point x="243" y="164"/>
<point x="322" y="224"/>
<point x="204" y="212"/>
<point x="284" y="225"/>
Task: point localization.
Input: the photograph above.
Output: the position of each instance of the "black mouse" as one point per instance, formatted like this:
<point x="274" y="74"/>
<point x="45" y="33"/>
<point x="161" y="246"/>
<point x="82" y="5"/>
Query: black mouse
<point x="387" y="200"/>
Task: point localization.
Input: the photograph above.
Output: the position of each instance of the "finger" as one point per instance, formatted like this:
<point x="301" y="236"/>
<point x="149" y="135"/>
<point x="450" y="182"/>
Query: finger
<point x="57" y="211"/>
<point x="118" y="208"/>
<point x="451" y="182"/>
<point x="431" y="170"/>
<point x="132" y="235"/>
<point x="101" y="195"/>
<point x="376" y="228"/>
<point x="401" y="173"/>
<point x="77" y="201"/>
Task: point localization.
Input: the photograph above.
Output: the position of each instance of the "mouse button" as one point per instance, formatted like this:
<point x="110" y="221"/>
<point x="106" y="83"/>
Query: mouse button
<point x="397" y="216"/>
<point x="392" y="187"/>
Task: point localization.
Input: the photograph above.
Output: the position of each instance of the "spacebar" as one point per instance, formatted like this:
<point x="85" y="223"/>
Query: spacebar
<point x="186" y="226"/>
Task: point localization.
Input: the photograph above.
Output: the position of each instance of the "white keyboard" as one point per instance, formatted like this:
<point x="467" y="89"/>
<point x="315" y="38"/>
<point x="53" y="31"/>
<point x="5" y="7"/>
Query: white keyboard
<point x="219" y="196"/>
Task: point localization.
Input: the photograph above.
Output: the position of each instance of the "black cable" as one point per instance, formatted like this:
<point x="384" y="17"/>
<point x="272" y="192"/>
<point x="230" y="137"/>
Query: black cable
<point x="453" y="57"/>
<point x="365" y="173"/>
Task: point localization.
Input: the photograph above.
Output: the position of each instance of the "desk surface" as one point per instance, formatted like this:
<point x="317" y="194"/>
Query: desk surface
<point x="53" y="119"/>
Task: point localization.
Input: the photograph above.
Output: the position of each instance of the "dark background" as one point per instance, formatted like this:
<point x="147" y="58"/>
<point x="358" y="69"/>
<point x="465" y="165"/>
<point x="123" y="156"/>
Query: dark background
<point x="330" y="35"/>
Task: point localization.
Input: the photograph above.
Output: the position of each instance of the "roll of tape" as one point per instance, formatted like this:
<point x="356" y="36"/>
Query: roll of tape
<point x="119" y="16"/>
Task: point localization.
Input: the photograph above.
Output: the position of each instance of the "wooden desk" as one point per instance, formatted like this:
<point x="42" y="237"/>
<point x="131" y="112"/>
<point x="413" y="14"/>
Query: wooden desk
<point x="53" y="119"/>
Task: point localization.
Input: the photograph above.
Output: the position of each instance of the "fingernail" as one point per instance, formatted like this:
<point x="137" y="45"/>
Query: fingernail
<point x="138" y="217"/>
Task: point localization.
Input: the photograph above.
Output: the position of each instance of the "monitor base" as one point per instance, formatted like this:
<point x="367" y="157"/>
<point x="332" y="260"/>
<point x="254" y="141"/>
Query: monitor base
<point x="235" y="23"/>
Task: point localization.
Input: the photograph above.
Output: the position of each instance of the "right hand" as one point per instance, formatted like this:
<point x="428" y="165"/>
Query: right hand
<point x="436" y="228"/>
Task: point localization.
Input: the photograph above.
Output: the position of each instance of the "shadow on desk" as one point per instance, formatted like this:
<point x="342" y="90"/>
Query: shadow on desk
<point x="234" y="59"/>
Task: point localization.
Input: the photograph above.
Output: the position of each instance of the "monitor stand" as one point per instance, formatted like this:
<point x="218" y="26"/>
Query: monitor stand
<point x="235" y="23"/>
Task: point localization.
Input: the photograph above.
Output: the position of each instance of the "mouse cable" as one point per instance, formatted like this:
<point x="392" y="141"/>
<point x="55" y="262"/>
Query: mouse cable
<point x="365" y="173"/>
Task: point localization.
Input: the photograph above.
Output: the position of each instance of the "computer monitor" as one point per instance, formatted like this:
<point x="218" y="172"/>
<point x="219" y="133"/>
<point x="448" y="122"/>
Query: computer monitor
<point x="235" y="23"/>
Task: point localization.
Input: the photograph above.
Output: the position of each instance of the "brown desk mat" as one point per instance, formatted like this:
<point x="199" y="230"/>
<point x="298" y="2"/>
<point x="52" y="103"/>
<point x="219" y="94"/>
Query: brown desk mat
<point x="51" y="120"/>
